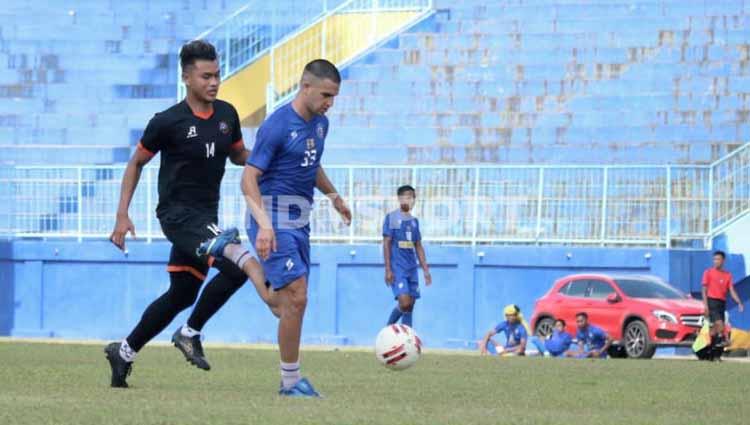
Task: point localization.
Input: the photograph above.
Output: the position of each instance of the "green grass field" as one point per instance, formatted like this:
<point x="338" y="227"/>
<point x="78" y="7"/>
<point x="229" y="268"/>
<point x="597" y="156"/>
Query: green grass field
<point x="69" y="384"/>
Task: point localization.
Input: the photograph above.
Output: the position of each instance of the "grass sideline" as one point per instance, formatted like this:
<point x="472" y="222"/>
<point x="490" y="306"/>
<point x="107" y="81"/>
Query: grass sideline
<point x="69" y="384"/>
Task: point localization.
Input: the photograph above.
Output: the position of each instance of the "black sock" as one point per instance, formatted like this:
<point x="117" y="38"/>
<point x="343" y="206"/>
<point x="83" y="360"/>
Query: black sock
<point x="214" y="296"/>
<point x="183" y="289"/>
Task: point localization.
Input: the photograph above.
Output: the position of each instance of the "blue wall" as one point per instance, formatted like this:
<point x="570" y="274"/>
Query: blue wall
<point x="91" y="290"/>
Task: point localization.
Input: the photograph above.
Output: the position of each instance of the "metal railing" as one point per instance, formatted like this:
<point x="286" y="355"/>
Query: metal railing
<point x="296" y="32"/>
<point x="249" y="33"/>
<point x="604" y="205"/>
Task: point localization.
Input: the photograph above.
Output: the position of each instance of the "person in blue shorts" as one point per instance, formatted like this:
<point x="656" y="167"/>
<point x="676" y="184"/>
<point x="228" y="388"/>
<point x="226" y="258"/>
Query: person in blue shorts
<point x="516" y="335"/>
<point x="555" y="344"/>
<point x="278" y="183"/>
<point x="593" y="342"/>
<point x="402" y="246"/>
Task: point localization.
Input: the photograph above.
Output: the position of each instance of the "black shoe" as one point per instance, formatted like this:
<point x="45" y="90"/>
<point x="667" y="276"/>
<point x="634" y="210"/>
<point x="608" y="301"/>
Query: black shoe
<point x="192" y="348"/>
<point x="120" y="368"/>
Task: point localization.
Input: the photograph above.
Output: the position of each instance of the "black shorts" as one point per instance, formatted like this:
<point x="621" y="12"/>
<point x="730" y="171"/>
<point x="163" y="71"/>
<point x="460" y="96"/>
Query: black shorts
<point x="186" y="235"/>
<point x="716" y="309"/>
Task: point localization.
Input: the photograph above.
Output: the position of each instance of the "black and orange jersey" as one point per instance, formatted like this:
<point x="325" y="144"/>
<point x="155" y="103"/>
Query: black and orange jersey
<point x="194" y="149"/>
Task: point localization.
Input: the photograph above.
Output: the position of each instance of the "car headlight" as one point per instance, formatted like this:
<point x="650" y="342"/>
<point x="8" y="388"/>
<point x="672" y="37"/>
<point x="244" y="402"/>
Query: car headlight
<point x="665" y="316"/>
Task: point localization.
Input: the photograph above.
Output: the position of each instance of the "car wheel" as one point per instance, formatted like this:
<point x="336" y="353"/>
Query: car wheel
<point x="637" y="344"/>
<point x="544" y="327"/>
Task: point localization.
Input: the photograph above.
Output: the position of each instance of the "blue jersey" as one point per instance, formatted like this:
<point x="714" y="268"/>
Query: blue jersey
<point x="514" y="333"/>
<point x="558" y="342"/>
<point x="592" y="336"/>
<point x="288" y="151"/>
<point x="404" y="232"/>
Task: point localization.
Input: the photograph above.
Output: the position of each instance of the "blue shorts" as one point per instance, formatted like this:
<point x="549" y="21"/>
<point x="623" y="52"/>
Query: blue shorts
<point x="406" y="283"/>
<point x="291" y="259"/>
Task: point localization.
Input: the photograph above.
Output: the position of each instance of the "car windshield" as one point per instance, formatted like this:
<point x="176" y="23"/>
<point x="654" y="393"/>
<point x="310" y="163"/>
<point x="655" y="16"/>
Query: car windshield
<point x="646" y="288"/>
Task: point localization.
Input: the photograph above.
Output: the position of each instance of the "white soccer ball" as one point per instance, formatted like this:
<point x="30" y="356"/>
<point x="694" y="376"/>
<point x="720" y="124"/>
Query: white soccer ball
<point x="398" y="347"/>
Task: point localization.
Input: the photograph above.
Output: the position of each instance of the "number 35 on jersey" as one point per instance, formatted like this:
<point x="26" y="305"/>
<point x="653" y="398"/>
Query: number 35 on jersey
<point x="311" y="154"/>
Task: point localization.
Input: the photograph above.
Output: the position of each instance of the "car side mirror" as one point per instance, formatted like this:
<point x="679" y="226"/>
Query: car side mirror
<point x="613" y="298"/>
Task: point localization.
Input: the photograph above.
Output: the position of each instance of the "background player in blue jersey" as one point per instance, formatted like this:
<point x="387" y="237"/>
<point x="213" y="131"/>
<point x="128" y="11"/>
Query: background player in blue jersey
<point x="557" y="343"/>
<point x="592" y="340"/>
<point x="516" y="334"/>
<point x="402" y="245"/>
<point x="278" y="182"/>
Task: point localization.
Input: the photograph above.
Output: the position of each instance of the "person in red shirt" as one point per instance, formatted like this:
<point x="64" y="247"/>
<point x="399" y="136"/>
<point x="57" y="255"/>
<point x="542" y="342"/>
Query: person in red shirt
<point x="717" y="282"/>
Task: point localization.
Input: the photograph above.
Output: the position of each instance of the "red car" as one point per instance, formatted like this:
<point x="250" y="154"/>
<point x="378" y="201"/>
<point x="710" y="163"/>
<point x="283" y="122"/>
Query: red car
<point x="640" y="313"/>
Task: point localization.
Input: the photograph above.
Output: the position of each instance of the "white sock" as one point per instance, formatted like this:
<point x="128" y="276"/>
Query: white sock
<point x="127" y="353"/>
<point x="289" y="374"/>
<point x="237" y="254"/>
<point x="188" y="331"/>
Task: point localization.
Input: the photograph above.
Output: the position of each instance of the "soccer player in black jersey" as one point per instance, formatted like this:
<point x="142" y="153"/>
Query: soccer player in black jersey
<point x="195" y="138"/>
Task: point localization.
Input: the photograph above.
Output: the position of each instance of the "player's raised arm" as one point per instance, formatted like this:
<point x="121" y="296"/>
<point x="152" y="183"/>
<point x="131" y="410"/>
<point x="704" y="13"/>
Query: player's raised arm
<point x="266" y="240"/>
<point x="324" y="185"/>
<point x="130" y="179"/>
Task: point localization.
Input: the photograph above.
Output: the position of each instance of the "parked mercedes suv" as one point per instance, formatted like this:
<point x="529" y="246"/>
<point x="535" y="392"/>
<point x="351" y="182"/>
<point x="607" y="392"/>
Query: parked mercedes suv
<point x="639" y="312"/>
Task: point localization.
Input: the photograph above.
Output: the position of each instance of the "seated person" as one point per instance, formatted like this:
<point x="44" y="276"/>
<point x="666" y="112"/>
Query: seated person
<point x="555" y="344"/>
<point x="593" y="342"/>
<point x="516" y="334"/>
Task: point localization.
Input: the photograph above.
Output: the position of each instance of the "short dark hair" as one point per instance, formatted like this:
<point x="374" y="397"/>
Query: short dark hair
<point x="721" y="253"/>
<point x="196" y="50"/>
<point x="561" y="321"/>
<point x="582" y="314"/>
<point x="406" y="188"/>
<point x="324" y="70"/>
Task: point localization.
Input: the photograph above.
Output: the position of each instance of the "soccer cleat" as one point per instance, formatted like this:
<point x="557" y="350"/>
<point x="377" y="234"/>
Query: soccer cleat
<point x="120" y="368"/>
<point x="302" y="389"/>
<point x="192" y="348"/>
<point x="215" y="246"/>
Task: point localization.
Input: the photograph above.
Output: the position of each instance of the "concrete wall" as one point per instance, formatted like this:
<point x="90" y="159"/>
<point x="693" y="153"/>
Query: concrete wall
<point x="90" y="290"/>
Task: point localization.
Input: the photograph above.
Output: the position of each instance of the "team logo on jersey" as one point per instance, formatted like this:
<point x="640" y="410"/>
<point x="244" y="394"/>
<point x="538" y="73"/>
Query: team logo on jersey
<point x="192" y="132"/>
<point x="289" y="264"/>
<point x="319" y="131"/>
<point x="292" y="135"/>
<point x="310" y="143"/>
<point x="223" y="127"/>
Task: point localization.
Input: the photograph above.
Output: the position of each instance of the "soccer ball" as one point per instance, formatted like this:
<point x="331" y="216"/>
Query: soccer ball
<point x="398" y="347"/>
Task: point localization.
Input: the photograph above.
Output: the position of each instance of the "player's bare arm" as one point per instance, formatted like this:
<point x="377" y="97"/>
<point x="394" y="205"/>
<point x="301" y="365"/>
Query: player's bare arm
<point x="604" y="349"/>
<point x="323" y="183"/>
<point x="736" y="298"/>
<point x="266" y="240"/>
<point x="423" y="262"/>
<point x="130" y="179"/>
<point x="239" y="156"/>
<point x="704" y="293"/>
<point x="520" y="348"/>
<point x="485" y="341"/>
<point x="387" y="260"/>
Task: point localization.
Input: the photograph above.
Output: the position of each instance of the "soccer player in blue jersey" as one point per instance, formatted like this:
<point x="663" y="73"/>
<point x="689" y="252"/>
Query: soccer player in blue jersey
<point x="278" y="182"/>
<point x="555" y="344"/>
<point x="593" y="342"/>
<point x="402" y="245"/>
<point x="516" y="334"/>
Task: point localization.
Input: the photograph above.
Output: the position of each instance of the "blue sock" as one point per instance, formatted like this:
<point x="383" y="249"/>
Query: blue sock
<point x="406" y="318"/>
<point x="395" y="315"/>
